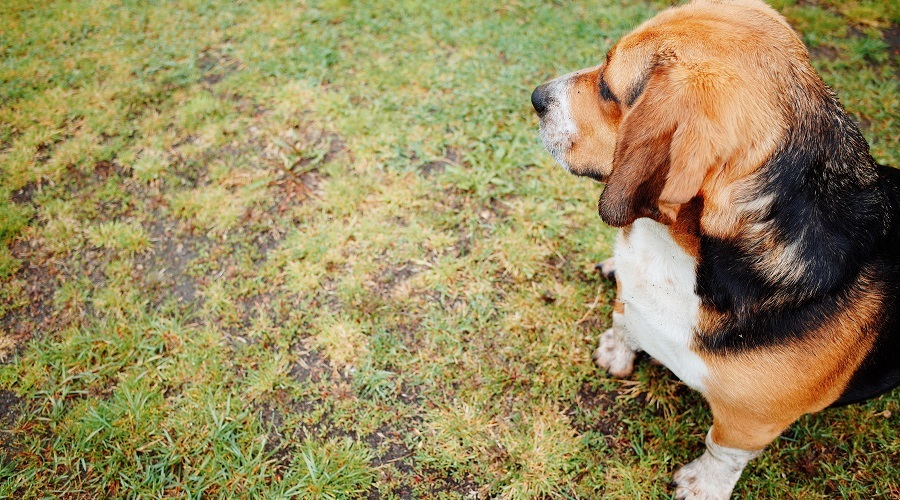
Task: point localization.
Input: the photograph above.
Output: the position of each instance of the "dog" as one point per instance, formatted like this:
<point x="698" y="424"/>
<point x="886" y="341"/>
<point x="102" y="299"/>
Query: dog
<point x="759" y="250"/>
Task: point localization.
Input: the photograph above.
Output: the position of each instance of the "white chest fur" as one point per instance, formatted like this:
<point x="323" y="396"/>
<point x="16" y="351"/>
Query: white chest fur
<point x="657" y="281"/>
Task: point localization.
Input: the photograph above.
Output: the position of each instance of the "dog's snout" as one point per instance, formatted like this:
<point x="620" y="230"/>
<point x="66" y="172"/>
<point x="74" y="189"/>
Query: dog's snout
<point x="540" y="98"/>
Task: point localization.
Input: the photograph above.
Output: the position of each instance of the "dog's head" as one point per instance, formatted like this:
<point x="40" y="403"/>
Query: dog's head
<point x="686" y="103"/>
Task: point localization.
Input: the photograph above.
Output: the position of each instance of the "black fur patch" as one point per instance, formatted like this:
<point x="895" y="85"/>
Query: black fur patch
<point x="835" y="208"/>
<point x="607" y="94"/>
<point x="637" y="90"/>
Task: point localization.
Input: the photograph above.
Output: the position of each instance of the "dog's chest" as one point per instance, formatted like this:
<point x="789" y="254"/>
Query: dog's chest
<point x="657" y="279"/>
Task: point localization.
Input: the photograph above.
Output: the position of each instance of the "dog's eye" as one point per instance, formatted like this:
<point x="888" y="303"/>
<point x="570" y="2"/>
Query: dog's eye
<point x="605" y="93"/>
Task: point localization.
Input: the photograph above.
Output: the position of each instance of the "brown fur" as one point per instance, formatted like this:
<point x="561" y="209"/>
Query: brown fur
<point x="686" y="228"/>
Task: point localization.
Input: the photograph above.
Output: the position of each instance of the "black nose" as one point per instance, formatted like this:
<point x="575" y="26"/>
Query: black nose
<point x="540" y="98"/>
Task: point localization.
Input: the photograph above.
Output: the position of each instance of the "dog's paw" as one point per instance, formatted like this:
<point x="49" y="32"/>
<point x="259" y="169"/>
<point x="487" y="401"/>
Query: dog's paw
<point x="696" y="481"/>
<point x="614" y="355"/>
<point x="713" y="475"/>
<point x="607" y="268"/>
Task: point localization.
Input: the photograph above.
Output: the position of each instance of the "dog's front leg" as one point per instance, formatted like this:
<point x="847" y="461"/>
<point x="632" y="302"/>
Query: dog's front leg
<point x="736" y="437"/>
<point x="614" y="354"/>
<point x="607" y="268"/>
<point x="714" y="474"/>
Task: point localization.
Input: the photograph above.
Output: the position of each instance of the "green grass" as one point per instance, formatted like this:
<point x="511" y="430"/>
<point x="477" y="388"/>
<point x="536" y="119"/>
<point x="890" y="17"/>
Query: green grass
<point x="261" y="249"/>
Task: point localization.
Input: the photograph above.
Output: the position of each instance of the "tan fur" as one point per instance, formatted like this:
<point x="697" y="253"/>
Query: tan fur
<point x="593" y="146"/>
<point x="618" y="305"/>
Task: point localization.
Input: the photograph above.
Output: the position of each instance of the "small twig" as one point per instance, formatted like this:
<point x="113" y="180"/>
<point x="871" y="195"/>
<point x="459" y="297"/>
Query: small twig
<point x="452" y="163"/>
<point x="389" y="462"/>
<point x="296" y="179"/>
<point x="592" y="306"/>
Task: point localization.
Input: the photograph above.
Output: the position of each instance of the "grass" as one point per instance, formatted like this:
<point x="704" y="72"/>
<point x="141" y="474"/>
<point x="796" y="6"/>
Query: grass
<point x="255" y="249"/>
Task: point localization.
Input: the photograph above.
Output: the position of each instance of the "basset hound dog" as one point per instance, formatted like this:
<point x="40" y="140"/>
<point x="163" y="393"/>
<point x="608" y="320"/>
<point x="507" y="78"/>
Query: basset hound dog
<point x="759" y="250"/>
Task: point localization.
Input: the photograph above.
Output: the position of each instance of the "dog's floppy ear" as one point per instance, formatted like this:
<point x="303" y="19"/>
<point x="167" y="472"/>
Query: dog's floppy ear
<point x="674" y="134"/>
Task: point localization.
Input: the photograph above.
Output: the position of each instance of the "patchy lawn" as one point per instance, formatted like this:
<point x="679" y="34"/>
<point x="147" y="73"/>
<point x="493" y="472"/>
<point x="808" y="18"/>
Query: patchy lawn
<point x="264" y="249"/>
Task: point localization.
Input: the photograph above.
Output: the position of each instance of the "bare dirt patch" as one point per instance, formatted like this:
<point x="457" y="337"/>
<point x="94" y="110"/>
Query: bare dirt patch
<point x="33" y="312"/>
<point x="10" y="406"/>
<point x="215" y="66"/>
<point x="164" y="268"/>
<point x="892" y="37"/>
<point x="391" y="277"/>
<point x="25" y="194"/>
<point x="397" y="455"/>
<point x="432" y="168"/>
<point x="823" y="52"/>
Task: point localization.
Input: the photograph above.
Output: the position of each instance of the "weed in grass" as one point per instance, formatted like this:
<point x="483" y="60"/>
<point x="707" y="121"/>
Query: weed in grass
<point x="542" y="447"/>
<point x="149" y="166"/>
<point x="337" y="468"/>
<point x="117" y="235"/>
<point x="8" y="263"/>
<point x="269" y="375"/>
<point x="870" y="49"/>
<point x="342" y="340"/>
